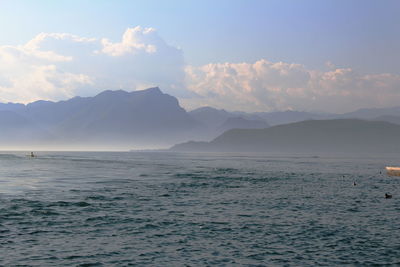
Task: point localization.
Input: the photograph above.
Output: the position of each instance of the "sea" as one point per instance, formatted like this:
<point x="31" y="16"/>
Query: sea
<point x="198" y="209"/>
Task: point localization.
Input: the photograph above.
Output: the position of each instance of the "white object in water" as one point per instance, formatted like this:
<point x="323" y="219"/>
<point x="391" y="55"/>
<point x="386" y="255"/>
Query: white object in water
<point x="393" y="171"/>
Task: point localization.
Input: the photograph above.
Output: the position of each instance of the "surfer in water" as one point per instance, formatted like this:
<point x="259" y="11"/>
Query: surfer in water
<point x="32" y="155"/>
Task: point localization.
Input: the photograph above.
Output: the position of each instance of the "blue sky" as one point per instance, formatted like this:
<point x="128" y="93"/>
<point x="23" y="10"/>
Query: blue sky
<point x="363" y="35"/>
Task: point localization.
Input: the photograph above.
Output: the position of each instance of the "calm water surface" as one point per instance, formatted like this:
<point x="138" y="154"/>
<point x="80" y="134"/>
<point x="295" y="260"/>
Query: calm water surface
<point x="167" y="209"/>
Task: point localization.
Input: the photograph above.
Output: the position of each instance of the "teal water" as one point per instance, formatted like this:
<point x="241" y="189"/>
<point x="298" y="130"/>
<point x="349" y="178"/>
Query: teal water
<point x="167" y="209"/>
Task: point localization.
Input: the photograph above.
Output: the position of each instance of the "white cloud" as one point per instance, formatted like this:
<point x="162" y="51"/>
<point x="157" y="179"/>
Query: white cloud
<point x="27" y="75"/>
<point x="134" y="40"/>
<point x="265" y="85"/>
<point x="56" y="66"/>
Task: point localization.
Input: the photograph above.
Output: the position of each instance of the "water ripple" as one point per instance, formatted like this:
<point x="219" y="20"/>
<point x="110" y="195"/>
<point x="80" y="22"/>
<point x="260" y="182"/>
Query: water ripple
<point x="121" y="209"/>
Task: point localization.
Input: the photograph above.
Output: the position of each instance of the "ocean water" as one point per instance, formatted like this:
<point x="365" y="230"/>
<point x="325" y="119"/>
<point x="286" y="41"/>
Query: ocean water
<point x="171" y="209"/>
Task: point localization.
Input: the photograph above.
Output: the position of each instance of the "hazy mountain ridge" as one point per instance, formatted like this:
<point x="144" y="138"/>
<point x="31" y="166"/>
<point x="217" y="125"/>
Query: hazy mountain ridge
<point x="115" y="118"/>
<point x="291" y="116"/>
<point x="340" y="135"/>
<point x="216" y="121"/>
<point x="241" y="123"/>
<point x="371" y="113"/>
<point x="149" y="118"/>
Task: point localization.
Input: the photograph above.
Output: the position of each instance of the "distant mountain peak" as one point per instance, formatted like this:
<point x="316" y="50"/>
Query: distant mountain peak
<point x="112" y="93"/>
<point x="207" y="109"/>
<point x="153" y="90"/>
<point x="122" y="93"/>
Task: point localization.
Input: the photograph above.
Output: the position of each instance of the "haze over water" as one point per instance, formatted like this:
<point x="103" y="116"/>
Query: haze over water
<point x="169" y="209"/>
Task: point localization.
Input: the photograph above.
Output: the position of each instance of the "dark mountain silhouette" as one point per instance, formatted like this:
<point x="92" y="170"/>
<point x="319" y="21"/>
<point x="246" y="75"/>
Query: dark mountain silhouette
<point x="340" y="135"/>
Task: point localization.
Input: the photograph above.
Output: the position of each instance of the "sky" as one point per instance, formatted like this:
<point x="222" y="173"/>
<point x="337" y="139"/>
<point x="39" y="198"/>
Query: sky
<point x="309" y="55"/>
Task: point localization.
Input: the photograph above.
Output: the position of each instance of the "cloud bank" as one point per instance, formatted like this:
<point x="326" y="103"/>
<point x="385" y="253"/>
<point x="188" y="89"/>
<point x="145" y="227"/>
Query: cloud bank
<point x="267" y="86"/>
<point x="56" y="66"/>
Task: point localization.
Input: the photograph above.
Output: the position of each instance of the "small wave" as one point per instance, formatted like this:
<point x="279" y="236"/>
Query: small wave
<point x="68" y="204"/>
<point x="90" y="264"/>
<point x="44" y="212"/>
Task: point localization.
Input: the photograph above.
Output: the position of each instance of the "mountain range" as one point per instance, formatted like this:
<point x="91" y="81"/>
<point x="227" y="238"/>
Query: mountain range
<point x="139" y="119"/>
<point x="391" y="114"/>
<point x="109" y="119"/>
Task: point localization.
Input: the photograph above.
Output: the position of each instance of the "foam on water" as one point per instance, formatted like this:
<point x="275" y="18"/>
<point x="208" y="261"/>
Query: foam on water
<point x="168" y="209"/>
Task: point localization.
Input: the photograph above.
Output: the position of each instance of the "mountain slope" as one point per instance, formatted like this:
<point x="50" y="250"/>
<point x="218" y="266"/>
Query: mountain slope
<point x="135" y="112"/>
<point x="210" y="117"/>
<point x="17" y="128"/>
<point x="370" y="113"/>
<point x="216" y="121"/>
<point x="241" y="123"/>
<point x="147" y="117"/>
<point x="388" y="118"/>
<point x="341" y="135"/>
<point x="289" y="116"/>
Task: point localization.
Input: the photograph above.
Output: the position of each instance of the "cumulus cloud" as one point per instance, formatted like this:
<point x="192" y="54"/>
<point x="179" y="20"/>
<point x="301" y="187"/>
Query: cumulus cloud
<point x="266" y="86"/>
<point x="57" y="66"/>
<point x="134" y="40"/>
